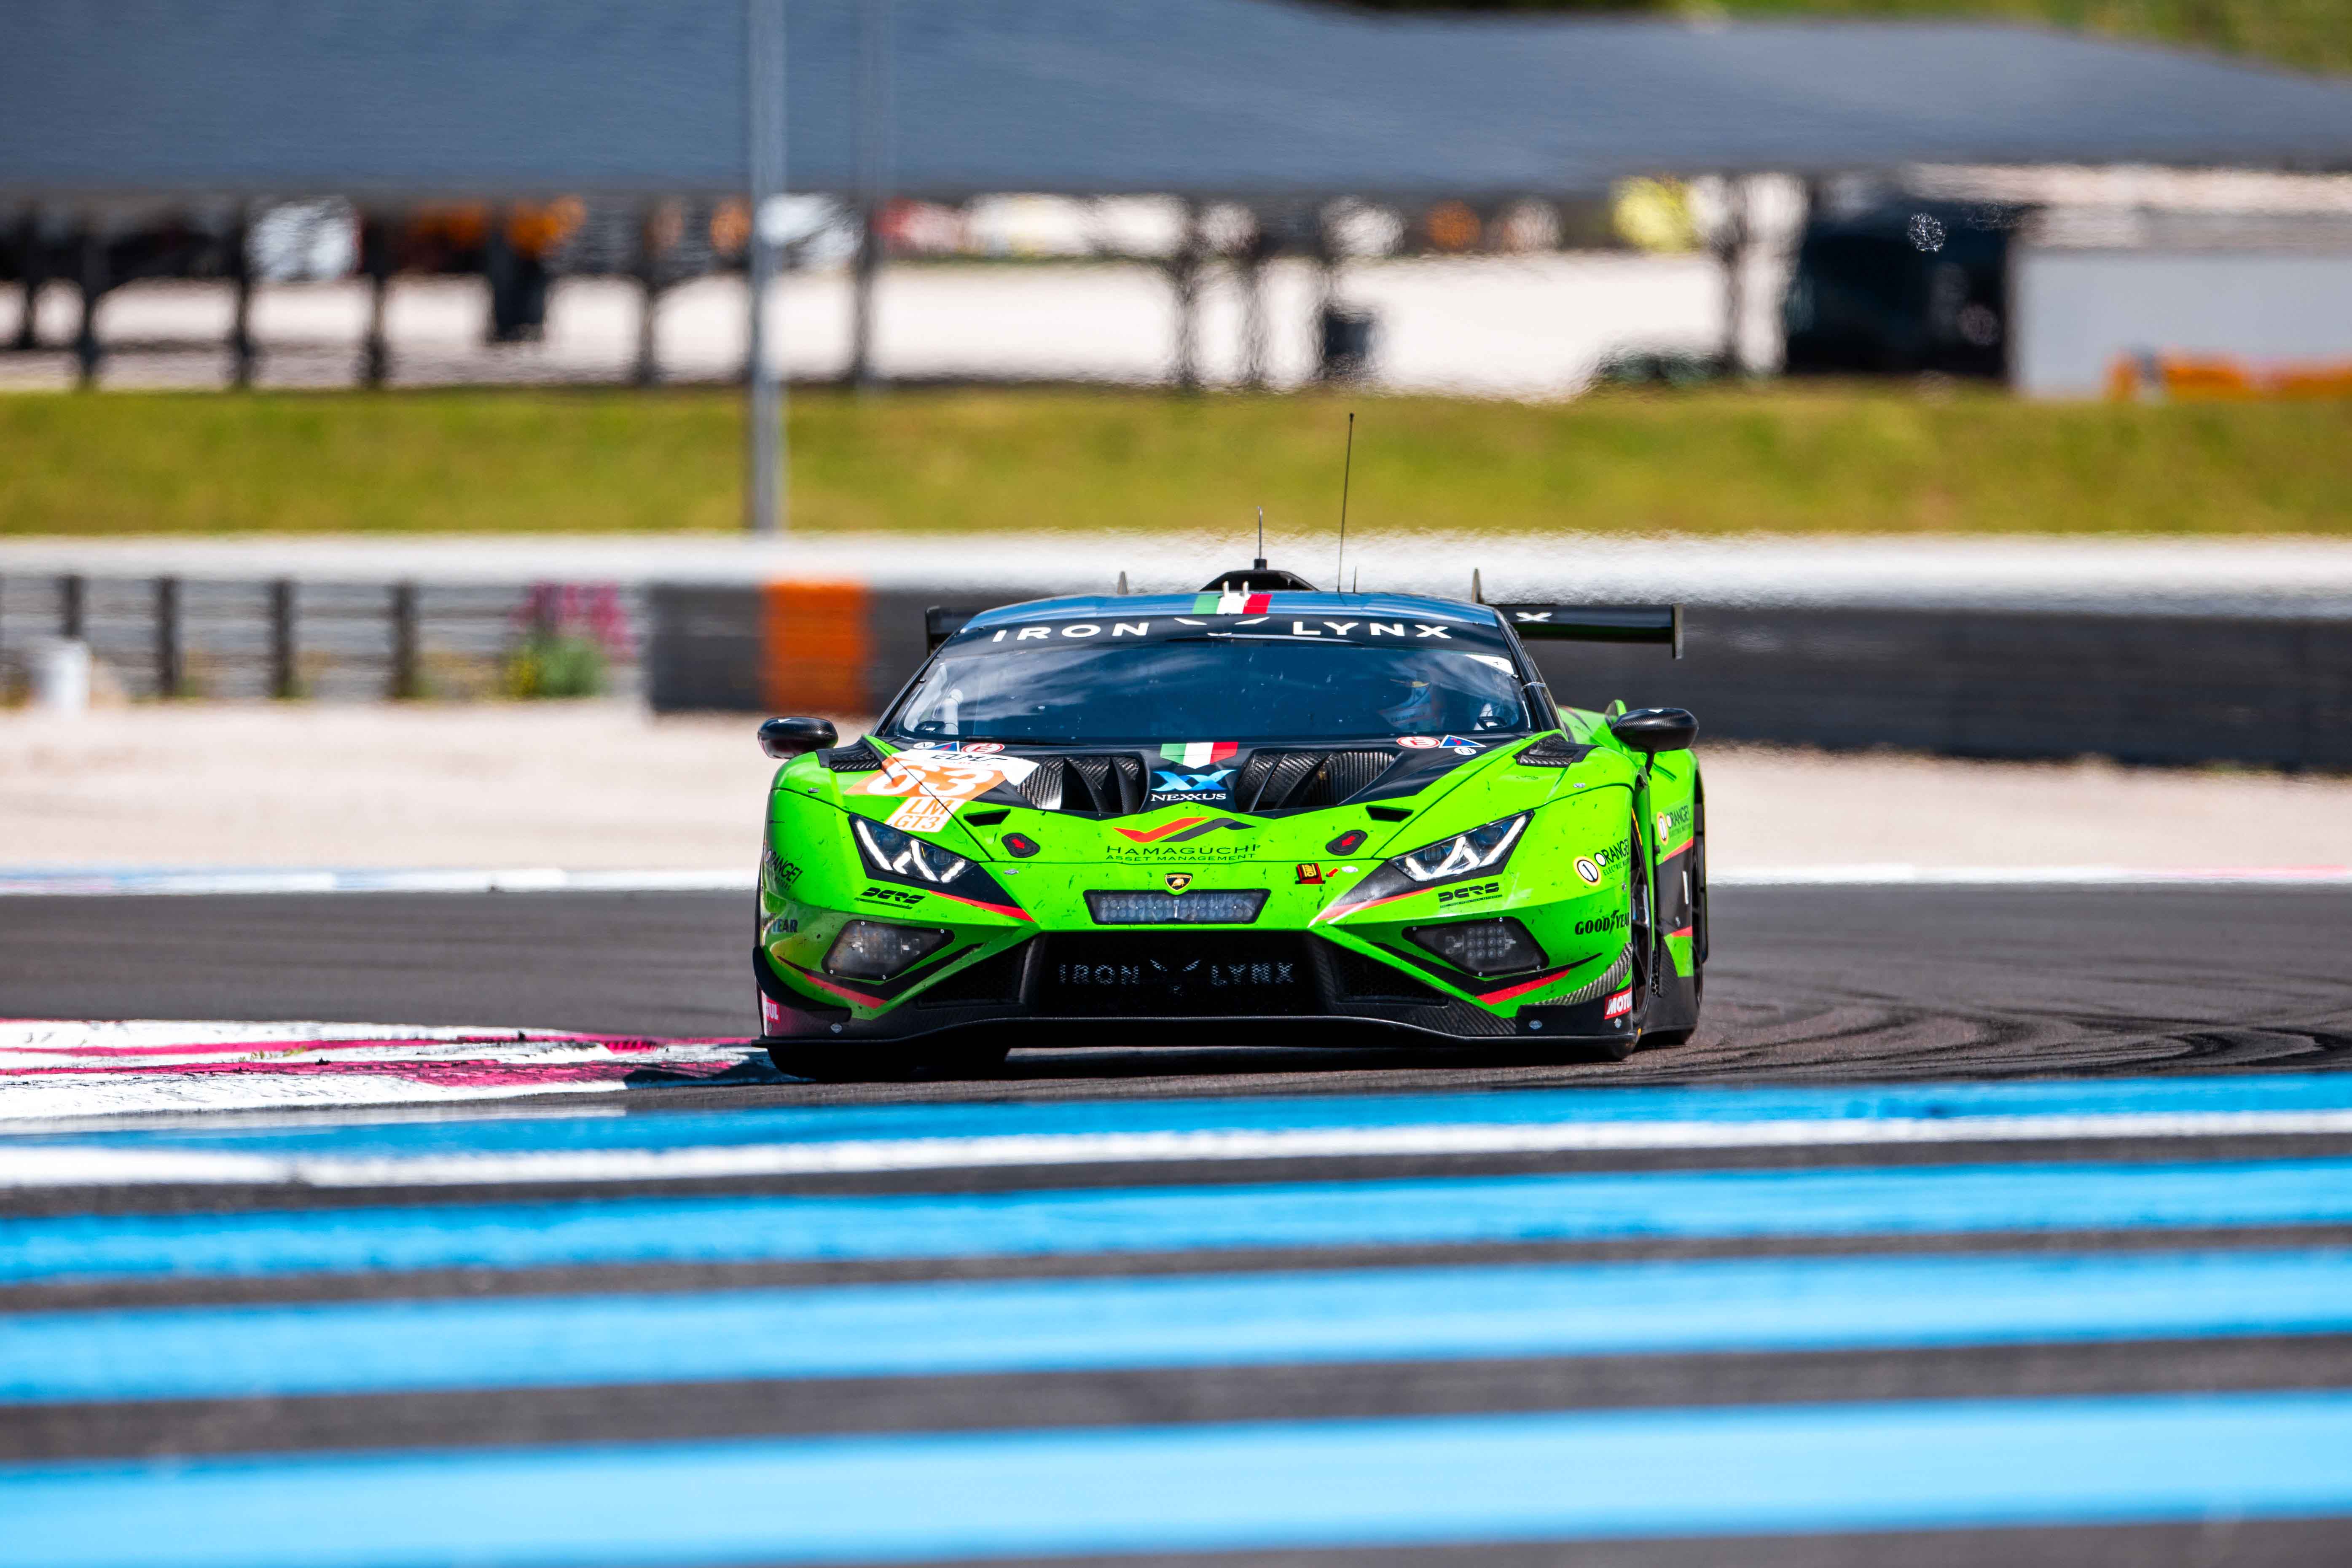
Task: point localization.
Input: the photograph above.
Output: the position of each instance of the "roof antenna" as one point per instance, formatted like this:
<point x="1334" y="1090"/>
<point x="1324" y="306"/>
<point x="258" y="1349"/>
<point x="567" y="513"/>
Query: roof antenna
<point x="1122" y="585"/>
<point x="1347" y="468"/>
<point x="1259" y="564"/>
<point x="1477" y="590"/>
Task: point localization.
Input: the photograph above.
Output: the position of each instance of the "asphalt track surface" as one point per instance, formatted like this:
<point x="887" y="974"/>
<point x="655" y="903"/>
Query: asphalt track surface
<point x="1976" y="1226"/>
<point x="1853" y="982"/>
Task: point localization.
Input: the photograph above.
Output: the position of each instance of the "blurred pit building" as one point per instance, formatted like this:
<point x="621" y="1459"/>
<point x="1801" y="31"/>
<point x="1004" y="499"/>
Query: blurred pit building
<point x="1240" y="193"/>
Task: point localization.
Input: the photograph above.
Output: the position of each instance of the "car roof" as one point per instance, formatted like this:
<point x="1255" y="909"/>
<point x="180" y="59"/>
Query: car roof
<point x="1279" y="602"/>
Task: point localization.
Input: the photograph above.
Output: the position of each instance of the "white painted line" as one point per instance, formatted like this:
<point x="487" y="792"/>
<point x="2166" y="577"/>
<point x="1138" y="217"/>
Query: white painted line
<point x="53" y="1070"/>
<point x="1898" y="876"/>
<point x="54" y="1165"/>
<point x="31" y="1105"/>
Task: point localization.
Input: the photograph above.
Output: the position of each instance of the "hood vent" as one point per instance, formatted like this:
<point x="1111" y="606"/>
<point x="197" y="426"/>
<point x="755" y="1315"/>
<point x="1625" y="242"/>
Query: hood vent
<point x="1553" y="752"/>
<point x="1089" y="784"/>
<point x="1301" y="780"/>
<point x="859" y="758"/>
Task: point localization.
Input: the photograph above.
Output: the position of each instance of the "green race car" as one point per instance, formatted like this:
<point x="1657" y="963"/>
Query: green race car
<point x="1258" y="803"/>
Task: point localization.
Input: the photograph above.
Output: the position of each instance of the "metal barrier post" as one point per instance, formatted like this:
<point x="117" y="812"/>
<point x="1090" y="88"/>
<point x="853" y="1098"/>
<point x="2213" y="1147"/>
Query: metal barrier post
<point x="169" y="672"/>
<point x="404" y="683"/>
<point x="70" y="607"/>
<point x="282" y="637"/>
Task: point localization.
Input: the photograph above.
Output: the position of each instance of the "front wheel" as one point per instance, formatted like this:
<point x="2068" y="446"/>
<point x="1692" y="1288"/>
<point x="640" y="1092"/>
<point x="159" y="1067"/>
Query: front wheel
<point x="1695" y="911"/>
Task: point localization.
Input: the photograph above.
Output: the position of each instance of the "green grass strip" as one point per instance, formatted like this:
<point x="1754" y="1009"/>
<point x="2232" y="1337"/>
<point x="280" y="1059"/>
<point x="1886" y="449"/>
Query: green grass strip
<point x="1803" y="458"/>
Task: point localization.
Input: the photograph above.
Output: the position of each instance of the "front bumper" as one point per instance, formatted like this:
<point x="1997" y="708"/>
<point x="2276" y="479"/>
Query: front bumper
<point x="1099" y="982"/>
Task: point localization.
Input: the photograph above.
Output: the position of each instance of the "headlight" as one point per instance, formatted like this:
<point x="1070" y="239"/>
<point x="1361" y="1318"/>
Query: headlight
<point x="1482" y="947"/>
<point x="870" y="950"/>
<point x="1471" y="854"/>
<point x="891" y="853"/>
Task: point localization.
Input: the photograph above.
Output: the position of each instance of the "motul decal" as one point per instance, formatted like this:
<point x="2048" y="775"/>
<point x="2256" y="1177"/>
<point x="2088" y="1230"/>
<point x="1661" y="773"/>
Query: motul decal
<point x="1619" y="1005"/>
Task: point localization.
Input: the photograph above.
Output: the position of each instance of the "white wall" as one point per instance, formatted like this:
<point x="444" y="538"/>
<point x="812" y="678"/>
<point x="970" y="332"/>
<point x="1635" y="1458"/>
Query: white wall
<point x="2073" y="311"/>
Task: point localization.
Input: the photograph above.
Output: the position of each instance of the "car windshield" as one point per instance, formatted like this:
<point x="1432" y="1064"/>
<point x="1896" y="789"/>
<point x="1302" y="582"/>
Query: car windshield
<point x="1231" y="685"/>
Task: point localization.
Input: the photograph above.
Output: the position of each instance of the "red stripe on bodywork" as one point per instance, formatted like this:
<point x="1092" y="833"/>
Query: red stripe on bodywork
<point x="822" y="983"/>
<point x="1524" y="986"/>
<point x="1685" y="931"/>
<point x="1676" y="850"/>
<point x="1015" y="911"/>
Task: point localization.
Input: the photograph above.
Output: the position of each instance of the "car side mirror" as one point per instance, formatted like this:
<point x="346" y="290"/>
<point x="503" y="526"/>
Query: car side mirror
<point x="782" y="738"/>
<point x="1655" y="729"/>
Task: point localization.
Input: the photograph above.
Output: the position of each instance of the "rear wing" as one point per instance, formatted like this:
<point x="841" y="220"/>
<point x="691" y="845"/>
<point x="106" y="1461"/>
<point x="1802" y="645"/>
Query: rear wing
<point x="1598" y="623"/>
<point x="941" y="622"/>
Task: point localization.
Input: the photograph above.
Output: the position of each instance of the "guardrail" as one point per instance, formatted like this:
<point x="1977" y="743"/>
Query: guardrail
<point x="2144" y="688"/>
<point x="169" y="637"/>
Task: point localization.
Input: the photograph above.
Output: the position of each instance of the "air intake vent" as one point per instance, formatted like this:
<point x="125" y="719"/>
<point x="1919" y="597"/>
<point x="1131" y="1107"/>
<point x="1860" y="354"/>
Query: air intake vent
<point x="993" y="981"/>
<point x="1109" y="784"/>
<point x="1300" y="781"/>
<point x="1553" y="752"/>
<point x="860" y="758"/>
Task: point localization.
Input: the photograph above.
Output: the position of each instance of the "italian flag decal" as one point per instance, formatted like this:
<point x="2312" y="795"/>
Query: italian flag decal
<point x="1198" y="754"/>
<point x="1231" y="603"/>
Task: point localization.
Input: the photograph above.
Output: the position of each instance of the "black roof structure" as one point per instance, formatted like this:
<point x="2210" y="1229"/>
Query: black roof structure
<point x="102" y="99"/>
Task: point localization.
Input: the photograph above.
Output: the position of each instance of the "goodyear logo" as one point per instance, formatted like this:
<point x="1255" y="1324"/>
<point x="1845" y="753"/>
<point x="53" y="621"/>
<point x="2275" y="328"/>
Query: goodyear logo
<point x="1617" y="921"/>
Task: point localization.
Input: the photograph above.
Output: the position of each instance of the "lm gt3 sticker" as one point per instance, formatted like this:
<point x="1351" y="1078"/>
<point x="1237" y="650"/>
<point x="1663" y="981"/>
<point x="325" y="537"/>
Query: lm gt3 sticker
<point x="929" y="784"/>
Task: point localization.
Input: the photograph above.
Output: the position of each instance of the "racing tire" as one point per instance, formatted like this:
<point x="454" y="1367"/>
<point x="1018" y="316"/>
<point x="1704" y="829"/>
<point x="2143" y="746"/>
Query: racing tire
<point x="1641" y="901"/>
<point x="1682" y="1037"/>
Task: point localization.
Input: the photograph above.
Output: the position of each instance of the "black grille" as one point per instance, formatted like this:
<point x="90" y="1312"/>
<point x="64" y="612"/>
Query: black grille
<point x="1101" y="784"/>
<point x="996" y="979"/>
<point x="1201" y="906"/>
<point x="1176" y="974"/>
<point x="859" y="758"/>
<point x="1362" y="979"/>
<point x="1553" y="752"/>
<point x="1297" y="780"/>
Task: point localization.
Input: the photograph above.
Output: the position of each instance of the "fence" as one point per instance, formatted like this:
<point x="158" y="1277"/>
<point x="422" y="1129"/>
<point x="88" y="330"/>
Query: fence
<point x="164" y="638"/>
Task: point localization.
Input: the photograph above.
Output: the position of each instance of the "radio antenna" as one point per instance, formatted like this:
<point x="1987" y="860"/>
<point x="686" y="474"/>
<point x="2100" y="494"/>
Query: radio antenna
<point x="1260" y="563"/>
<point x="1346" y="470"/>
